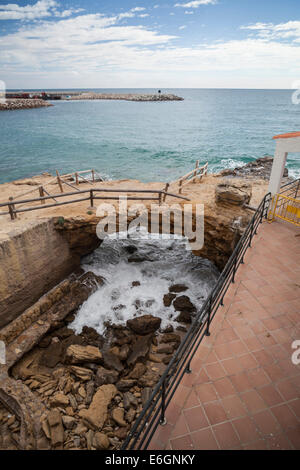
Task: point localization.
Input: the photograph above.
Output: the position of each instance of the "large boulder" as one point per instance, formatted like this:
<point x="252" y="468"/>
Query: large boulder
<point x="139" y="350"/>
<point x="77" y="354"/>
<point x="144" y="325"/>
<point x="236" y="194"/>
<point x="186" y="308"/>
<point x="168" y="299"/>
<point x="106" y="376"/>
<point x="96" y="415"/>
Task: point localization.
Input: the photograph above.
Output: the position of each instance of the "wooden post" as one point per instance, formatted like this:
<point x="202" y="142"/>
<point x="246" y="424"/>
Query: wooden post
<point x="76" y="179"/>
<point x="11" y="208"/>
<point x="92" y="198"/>
<point x="93" y="176"/>
<point x="180" y="186"/>
<point x="195" y="172"/>
<point x="59" y="182"/>
<point x="42" y="194"/>
<point x="166" y="190"/>
<point x="159" y="198"/>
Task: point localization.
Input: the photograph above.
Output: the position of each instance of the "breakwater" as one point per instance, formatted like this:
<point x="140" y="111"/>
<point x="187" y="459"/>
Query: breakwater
<point x="126" y="97"/>
<point x="19" y="103"/>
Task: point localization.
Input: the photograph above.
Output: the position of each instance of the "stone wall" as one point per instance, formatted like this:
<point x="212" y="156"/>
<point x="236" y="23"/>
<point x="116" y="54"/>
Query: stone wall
<point x="32" y="260"/>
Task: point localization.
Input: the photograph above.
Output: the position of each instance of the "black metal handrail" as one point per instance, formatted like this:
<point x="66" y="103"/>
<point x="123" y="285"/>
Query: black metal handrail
<point x="292" y="185"/>
<point x="154" y="410"/>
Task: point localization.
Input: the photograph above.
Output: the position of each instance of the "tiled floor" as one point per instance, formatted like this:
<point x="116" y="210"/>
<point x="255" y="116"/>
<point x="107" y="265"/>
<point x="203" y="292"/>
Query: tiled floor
<point x="244" y="390"/>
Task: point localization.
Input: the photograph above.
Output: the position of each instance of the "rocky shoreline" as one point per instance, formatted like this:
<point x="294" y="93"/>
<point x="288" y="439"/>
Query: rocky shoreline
<point x="88" y="389"/>
<point x="17" y="103"/>
<point x="258" y="168"/>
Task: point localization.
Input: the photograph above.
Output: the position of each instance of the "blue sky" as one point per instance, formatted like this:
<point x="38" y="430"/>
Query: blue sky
<point x="175" y="43"/>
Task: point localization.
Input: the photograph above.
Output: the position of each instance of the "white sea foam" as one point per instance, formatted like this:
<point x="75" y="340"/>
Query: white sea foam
<point x="164" y="262"/>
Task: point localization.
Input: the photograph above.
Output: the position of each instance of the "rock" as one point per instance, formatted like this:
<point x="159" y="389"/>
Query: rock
<point x="130" y="415"/>
<point x="96" y="415"/>
<point x="140" y="350"/>
<point x="101" y="441"/>
<point x="168" y="329"/>
<point x="77" y="354"/>
<point x="111" y="361"/>
<point x="135" y="284"/>
<point x="118" y="416"/>
<point x="168" y="299"/>
<point x="91" y="337"/>
<point x="106" y="376"/>
<point x="53" y="355"/>
<point x="121" y="433"/>
<point x="149" y="379"/>
<point x="46" y="428"/>
<point x="125" y="384"/>
<point x="178" y="288"/>
<point x="144" y="325"/>
<point x="138" y="370"/>
<point x="170" y="338"/>
<point x="69" y="422"/>
<point x="154" y="358"/>
<point x="167" y="349"/>
<point x="59" y="399"/>
<point x="89" y="439"/>
<point x="131" y="249"/>
<point x="56" y="429"/>
<point x="146" y="394"/>
<point x="82" y="392"/>
<point x="73" y="401"/>
<point x="167" y="359"/>
<point x="124" y="352"/>
<point x="129" y="400"/>
<point x="90" y="389"/>
<point x="82" y="373"/>
<point x="233" y="193"/>
<point x="183" y="303"/>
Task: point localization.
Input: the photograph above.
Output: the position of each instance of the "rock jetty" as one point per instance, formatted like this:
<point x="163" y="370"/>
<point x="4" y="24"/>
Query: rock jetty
<point x="18" y="103"/>
<point x="126" y="97"/>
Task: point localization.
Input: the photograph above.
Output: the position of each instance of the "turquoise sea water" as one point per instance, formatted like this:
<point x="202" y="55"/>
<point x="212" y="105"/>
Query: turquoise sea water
<point x="147" y="141"/>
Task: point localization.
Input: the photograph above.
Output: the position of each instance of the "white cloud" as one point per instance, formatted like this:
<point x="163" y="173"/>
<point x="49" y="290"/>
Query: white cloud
<point x="289" y="30"/>
<point x="189" y="12"/>
<point x="41" y="9"/>
<point x="196" y="3"/>
<point x="98" y="50"/>
<point x="182" y="27"/>
<point x="138" y="9"/>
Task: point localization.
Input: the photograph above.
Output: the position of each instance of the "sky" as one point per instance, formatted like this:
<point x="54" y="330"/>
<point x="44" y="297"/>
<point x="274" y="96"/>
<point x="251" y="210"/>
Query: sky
<point x="150" y="44"/>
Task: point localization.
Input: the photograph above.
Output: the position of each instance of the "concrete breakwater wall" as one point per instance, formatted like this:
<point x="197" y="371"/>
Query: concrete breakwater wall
<point x="126" y="97"/>
<point x="18" y="103"/>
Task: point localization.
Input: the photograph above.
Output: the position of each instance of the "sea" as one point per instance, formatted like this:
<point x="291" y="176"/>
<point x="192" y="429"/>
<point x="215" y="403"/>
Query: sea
<point x="148" y="141"/>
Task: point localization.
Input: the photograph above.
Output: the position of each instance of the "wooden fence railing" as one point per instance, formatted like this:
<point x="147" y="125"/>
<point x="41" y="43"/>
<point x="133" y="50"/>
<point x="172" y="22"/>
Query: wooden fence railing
<point x="160" y="196"/>
<point x="191" y="177"/>
<point x="75" y="177"/>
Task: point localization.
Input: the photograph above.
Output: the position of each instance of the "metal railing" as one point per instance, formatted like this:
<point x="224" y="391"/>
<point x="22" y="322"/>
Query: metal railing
<point x="286" y="204"/>
<point x="154" y="410"/>
<point x="161" y="195"/>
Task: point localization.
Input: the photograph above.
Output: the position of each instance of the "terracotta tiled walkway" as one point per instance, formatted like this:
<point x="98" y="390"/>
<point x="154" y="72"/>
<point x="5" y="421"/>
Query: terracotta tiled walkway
<point x="244" y="390"/>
